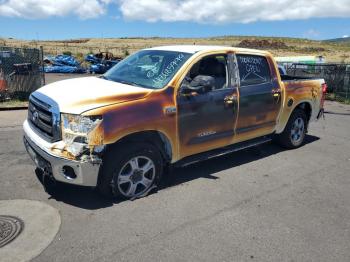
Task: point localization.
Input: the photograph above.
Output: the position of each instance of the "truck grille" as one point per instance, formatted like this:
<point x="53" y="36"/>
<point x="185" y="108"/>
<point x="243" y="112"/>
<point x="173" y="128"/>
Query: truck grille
<point x="42" y="119"/>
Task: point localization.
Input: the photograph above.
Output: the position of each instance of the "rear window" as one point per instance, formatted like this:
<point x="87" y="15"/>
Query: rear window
<point x="253" y="70"/>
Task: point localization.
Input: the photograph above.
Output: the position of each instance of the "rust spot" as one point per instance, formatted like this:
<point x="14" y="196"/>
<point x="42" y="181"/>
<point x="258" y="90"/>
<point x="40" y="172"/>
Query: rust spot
<point x="62" y="152"/>
<point x="144" y="110"/>
<point x="113" y="99"/>
<point x="95" y="137"/>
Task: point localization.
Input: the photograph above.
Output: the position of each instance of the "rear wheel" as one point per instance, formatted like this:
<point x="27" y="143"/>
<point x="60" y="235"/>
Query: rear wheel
<point x="294" y="134"/>
<point x="130" y="172"/>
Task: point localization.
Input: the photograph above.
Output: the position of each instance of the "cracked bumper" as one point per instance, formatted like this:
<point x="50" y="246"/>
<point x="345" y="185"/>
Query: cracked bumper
<point x="39" y="151"/>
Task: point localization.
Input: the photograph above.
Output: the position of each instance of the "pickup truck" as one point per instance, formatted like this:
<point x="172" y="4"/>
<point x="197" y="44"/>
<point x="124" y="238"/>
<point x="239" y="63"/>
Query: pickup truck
<point x="162" y="107"/>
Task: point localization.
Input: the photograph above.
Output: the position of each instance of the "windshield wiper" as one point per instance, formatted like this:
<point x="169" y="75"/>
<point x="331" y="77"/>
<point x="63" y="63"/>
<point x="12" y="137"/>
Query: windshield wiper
<point x="127" y="83"/>
<point x="104" y="77"/>
<point x="122" y="81"/>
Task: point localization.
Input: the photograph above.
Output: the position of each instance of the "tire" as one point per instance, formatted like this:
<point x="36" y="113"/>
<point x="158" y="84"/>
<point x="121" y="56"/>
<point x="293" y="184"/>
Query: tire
<point x="123" y="175"/>
<point x="293" y="136"/>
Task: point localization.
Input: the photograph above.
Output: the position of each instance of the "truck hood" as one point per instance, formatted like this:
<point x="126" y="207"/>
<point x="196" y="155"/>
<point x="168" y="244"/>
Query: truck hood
<point x="79" y="95"/>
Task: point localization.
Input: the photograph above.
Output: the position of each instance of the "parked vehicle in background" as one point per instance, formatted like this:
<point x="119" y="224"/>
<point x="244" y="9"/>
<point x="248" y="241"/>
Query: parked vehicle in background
<point x="282" y="70"/>
<point x="310" y="60"/>
<point x="101" y="62"/>
<point x="162" y="106"/>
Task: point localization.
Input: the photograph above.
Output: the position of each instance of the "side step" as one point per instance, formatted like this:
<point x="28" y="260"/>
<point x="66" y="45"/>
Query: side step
<point x="222" y="151"/>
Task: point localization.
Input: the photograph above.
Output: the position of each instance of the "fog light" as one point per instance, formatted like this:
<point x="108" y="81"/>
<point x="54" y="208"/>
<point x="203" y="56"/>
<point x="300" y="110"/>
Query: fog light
<point x="69" y="172"/>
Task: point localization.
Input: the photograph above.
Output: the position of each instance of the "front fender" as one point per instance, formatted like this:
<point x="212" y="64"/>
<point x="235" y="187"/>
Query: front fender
<point x="147" y="114"/>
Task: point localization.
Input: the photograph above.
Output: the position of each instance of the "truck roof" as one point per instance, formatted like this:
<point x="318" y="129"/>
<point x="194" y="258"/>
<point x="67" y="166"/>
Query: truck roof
<point x="196" y="48"/>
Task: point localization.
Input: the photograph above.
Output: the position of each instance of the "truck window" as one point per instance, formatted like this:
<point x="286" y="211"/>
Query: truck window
<point x="253" y="70"/>
<point x="215" y="66"/>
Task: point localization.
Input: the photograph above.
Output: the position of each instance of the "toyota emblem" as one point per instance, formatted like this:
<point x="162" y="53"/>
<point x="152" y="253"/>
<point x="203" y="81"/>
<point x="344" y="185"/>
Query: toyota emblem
<point x="35" y="116"/>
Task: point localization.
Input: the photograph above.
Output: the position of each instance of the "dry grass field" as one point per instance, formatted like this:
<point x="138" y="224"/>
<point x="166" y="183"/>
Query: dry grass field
<point x="334" y="52"/>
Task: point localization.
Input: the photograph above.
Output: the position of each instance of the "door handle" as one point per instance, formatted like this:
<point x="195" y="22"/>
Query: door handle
<point x="276" y="92"/>
<point x="230" y="100"/>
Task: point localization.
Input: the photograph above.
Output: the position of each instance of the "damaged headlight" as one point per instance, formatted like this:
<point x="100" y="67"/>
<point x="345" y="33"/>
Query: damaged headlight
<point x="78" y="132"/>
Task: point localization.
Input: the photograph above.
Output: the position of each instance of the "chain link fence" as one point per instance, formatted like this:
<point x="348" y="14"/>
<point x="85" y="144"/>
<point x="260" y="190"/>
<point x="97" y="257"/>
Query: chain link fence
<point x="337" y="77"/>
<point x="21" y="72"/>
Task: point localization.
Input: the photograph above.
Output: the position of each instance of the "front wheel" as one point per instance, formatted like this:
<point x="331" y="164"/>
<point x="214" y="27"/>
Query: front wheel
<point x="130" y="171"/>
<point x="294" y="133"/>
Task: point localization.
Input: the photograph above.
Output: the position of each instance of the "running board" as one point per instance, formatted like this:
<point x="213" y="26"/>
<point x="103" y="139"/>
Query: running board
<point x="222" y="151"/>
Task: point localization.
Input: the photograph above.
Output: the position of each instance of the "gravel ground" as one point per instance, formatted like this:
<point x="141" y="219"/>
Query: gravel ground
<point x="264" y="204"/>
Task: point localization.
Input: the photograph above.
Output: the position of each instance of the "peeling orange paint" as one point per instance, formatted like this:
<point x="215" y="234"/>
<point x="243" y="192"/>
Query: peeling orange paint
<point x="145" y="111"/>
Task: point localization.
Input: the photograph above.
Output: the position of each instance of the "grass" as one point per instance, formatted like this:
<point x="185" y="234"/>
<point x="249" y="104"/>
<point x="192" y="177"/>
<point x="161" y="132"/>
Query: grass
<point x="334" y="52"/>
<point x="334" y="97"/>
<point x="13" y="104"/>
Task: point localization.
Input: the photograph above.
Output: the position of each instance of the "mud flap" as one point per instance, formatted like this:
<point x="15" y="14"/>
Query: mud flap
<point x="321" y="114"/>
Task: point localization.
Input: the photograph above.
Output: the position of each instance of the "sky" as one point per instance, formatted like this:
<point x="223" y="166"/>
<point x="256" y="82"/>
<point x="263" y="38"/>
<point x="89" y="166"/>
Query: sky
<point x="70" y="19"/>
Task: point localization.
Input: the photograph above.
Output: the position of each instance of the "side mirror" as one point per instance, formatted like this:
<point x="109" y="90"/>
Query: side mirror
<point x="200" y="84"/>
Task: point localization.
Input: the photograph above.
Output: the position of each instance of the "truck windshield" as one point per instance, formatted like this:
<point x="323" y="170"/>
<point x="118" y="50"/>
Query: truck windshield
<point x="148" y="68"/>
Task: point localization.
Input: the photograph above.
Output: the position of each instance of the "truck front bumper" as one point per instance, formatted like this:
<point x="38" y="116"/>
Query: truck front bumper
<point x="85" y="172"/>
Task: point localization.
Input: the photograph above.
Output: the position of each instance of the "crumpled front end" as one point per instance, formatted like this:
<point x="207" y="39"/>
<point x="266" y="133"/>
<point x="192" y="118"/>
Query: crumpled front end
<point x="68" y="147"/>
<point x="55" y="160"/>
<point x="82" y="138"/>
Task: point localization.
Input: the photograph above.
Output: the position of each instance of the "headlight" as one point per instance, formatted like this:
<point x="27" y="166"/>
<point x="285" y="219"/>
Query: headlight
<point x="77" y="130"/>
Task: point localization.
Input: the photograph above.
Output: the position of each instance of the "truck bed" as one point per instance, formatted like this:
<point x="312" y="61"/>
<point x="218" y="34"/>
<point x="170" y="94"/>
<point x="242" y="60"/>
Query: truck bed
<point x="300" y="90"/>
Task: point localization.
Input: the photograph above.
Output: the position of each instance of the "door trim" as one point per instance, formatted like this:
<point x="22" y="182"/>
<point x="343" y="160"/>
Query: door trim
<point x="254" y="127"/>
<point x="205" y="138"/>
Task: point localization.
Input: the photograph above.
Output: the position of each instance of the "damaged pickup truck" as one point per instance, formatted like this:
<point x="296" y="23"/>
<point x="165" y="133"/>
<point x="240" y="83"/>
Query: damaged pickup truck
<point x="164" y="106"/>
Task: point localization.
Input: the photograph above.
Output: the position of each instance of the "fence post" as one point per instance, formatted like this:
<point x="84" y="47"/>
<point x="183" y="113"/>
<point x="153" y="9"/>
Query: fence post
<point x="42" y="63"/>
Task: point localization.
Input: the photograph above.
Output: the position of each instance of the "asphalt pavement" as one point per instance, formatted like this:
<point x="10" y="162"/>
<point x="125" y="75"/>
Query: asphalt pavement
<point x="262" y="204"/>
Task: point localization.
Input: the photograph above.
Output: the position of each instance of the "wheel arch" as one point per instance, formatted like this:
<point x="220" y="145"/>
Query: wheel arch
<point x="304" y="105"/>
<point x="154" y="137"/>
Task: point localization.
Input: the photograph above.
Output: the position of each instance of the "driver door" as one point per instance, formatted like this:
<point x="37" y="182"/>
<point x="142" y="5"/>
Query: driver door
<point x="207" y="120"/>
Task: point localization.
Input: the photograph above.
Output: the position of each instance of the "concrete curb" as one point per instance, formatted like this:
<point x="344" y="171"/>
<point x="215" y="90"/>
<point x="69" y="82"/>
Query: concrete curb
<point x="41" y="224"/>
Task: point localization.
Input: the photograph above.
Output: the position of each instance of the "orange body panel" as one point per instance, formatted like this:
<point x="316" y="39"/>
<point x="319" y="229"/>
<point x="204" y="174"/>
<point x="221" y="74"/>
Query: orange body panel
<point x="149" y="113"/>
<point x="309" y="91"/>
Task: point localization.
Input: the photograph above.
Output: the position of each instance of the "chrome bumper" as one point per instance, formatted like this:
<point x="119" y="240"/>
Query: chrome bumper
<point x="38" y="149"/>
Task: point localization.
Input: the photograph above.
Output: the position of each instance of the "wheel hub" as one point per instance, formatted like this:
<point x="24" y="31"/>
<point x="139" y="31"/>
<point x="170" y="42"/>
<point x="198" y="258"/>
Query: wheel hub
<point x="136" y="176"/>
<point x="297" y="130"/>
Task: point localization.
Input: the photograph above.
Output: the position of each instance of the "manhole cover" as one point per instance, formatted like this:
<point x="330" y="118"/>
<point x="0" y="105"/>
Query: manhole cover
<point x="10" y="228"/>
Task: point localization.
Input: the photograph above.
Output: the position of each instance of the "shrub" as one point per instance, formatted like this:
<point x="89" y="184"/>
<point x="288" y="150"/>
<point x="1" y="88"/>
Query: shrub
<point x="126" y="52"/>
<point x="67" y="53"/>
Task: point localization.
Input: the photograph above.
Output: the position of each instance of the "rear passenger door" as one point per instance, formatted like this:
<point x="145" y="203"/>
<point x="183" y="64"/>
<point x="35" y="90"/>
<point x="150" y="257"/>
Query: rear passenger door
<point x="259" y="97"/>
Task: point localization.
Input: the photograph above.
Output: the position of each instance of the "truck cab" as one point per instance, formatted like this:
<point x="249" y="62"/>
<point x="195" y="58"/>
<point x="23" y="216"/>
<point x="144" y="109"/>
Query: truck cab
<point x="165" y="106"/>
